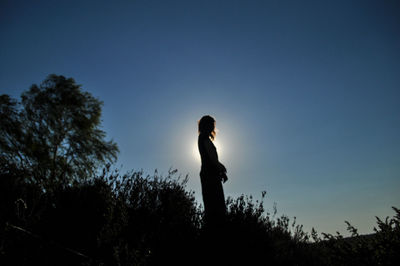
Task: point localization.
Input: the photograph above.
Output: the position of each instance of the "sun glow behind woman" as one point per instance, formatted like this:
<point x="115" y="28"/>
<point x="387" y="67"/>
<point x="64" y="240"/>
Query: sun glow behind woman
<point x="228" y="141"/>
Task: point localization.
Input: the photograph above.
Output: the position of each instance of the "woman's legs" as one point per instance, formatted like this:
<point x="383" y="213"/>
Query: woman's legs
<point x="214" y="200"/>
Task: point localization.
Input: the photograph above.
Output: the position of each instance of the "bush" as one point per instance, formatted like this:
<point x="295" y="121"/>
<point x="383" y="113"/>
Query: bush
<point x="380" y="248"/>
<point x="111" y="219"/>
<point x="133" y="219"/>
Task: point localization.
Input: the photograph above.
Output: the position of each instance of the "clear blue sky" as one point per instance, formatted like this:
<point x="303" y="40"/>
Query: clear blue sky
<point x="306" y="94"/>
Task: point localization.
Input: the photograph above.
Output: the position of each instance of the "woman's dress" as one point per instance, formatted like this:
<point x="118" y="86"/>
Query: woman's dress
<point x="211" y="184"/>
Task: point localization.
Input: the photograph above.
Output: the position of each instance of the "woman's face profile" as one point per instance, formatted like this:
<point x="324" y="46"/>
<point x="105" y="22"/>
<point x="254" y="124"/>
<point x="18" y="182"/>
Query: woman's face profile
<point x="213" y="130"/>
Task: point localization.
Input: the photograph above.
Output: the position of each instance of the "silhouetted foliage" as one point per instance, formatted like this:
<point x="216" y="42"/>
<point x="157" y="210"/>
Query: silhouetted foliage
<point x="53" y="134"/>
<point x="113" y="219"/>
<point x="134" y="219"/>
<point x="380" y="248"/>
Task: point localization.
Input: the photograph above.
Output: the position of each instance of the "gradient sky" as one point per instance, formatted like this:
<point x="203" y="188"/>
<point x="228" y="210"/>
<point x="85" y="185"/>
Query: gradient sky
<point x="306" y="94"/>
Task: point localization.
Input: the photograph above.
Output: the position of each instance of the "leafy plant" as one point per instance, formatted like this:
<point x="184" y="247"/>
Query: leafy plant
<point x="54" y="133"/>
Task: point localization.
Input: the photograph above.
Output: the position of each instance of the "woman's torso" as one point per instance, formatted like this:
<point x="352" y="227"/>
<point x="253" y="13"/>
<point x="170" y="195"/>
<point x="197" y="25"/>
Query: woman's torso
<point x="208" y="164"/>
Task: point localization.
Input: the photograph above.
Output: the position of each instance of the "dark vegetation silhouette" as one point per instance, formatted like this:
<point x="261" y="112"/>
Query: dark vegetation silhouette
<point x="53" y="134"/>
<point x="49" y="216"/>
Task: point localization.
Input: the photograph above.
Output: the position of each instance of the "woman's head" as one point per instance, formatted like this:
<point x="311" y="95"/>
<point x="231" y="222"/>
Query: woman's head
<point x="207" y="126"/>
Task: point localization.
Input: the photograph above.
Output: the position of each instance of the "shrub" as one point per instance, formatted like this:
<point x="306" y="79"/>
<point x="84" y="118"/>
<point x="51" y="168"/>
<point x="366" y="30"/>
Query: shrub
<point x="380" y="248"/>
<point x="137" y="219"/>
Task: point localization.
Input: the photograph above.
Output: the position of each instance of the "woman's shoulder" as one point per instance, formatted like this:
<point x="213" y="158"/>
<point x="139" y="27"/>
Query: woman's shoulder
<point x="202" y="136"/>
<point x="204" y="140"/>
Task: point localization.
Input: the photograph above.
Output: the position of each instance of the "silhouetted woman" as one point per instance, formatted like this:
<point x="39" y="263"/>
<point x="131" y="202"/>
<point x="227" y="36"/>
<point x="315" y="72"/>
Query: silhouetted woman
<point x="212" y="174"/>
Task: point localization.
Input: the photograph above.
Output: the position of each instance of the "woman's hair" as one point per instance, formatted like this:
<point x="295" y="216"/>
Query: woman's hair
<point x="207" y="126"/>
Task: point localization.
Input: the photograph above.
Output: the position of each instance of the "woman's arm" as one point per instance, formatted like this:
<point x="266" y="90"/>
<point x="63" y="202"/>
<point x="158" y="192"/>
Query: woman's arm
<point x="222" y="167"/>
<point x="212" y="154"/>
